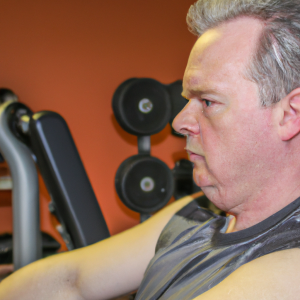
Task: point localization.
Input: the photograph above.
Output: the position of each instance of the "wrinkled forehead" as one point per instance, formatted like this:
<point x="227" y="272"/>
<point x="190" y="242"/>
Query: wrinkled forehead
<point x="222" y="55"/>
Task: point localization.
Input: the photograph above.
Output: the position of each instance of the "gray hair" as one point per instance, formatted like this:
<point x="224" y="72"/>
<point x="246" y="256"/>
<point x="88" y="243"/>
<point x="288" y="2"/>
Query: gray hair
<point x="275" y="66"/>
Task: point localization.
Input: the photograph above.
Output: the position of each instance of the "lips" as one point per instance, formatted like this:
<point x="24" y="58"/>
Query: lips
<point x="194" y="156"/>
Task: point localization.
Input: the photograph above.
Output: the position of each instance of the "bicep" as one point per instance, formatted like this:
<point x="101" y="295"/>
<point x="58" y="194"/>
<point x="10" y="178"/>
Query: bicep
<point x="116" y="265"/>
<point x="273" y="276"/>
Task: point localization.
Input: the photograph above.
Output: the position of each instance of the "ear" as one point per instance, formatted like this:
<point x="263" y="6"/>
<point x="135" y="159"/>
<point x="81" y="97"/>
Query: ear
<point x="289" y="115"/>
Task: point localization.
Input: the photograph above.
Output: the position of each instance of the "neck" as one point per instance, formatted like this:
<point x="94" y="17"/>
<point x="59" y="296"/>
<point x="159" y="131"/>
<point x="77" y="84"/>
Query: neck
<point x="266" y="203"/>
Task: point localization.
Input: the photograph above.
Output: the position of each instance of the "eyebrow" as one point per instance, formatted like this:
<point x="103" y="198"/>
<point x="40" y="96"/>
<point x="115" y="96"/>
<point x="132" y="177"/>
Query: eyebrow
<point x="199" y="91"/>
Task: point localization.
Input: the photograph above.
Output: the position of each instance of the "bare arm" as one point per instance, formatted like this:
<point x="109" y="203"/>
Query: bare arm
<point x="270" y="277"/>
<point x="104" y="270"/>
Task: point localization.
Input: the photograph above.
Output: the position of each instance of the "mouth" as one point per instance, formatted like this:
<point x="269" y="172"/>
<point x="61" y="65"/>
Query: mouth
<point x="193" y="157"/>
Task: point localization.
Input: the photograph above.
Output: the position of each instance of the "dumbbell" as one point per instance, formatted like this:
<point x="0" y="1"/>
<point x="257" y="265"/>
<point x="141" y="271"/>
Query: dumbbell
<point x="144" y="183"/>
<point x="142" y="106"/>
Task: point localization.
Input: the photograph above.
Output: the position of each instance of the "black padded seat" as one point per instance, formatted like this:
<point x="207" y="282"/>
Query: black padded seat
<point x="66" y="179"/>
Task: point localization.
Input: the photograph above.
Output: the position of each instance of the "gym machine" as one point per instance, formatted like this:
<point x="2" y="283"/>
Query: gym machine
<point x="43" y="139"/>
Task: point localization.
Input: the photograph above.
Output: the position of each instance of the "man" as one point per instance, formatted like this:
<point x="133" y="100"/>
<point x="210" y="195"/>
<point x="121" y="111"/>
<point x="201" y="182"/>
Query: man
<point x="242" y="124"/>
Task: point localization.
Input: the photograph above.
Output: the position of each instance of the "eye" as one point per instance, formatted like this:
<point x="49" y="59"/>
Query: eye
<point x="207" y="102"/>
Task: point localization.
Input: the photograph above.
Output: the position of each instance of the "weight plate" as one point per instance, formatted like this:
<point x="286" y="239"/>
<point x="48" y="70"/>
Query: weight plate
<point x="142" y="106"/>
<point x="144" y="183"/>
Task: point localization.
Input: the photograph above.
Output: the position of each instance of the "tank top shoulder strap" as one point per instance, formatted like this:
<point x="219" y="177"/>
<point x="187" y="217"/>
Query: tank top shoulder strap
<point x="185" y="219"/>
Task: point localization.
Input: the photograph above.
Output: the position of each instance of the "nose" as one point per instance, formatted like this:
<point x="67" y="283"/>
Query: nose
<point x="187" y="121"/>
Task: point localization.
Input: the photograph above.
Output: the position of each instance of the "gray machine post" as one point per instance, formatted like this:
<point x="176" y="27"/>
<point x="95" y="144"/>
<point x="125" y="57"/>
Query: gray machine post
<point x="25" y="192"/>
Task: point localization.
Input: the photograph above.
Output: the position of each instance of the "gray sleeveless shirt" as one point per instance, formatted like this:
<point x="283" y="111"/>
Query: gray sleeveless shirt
<point x="193" y="254"/>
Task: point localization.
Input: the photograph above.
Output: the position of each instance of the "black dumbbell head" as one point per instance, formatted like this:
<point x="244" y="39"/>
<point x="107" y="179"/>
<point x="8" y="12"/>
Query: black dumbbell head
<point x="142" y="106"/>
<point x="144" y="183"/>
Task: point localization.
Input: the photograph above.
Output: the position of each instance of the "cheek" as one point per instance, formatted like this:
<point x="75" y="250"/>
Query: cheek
<point x="232" y="151"/>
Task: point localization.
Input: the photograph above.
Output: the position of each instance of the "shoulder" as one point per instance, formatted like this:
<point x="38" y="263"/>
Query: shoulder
<point x="191" y="215"/>
<point x="273" y="276"/>
<point x="161" y="218"/>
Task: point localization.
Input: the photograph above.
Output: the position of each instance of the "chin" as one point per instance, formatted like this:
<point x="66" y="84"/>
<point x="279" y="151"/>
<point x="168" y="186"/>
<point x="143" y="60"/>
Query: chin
<point x="214" y="196"/>
<point x="202" y="178"/>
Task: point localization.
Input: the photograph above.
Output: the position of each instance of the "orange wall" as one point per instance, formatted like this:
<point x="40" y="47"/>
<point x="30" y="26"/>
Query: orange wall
<point x="70" y="56"/>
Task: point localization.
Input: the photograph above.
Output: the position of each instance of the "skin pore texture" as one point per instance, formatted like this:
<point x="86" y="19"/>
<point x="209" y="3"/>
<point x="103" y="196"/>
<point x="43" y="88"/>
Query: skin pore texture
<point x="245" y="155"/>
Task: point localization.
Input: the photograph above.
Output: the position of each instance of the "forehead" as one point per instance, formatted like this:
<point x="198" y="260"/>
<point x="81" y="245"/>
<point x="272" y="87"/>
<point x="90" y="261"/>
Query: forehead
<point x="220" y="57"/>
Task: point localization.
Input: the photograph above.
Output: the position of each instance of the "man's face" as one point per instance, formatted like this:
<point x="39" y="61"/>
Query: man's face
<point x="230" y="137"/>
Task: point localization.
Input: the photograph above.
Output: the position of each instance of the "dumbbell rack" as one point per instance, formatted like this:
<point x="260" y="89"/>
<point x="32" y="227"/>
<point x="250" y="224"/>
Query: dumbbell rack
<point x="143" y="107"/>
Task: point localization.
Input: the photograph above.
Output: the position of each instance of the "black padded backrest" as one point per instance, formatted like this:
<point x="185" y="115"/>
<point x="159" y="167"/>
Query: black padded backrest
<point x="66" y="180"/>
